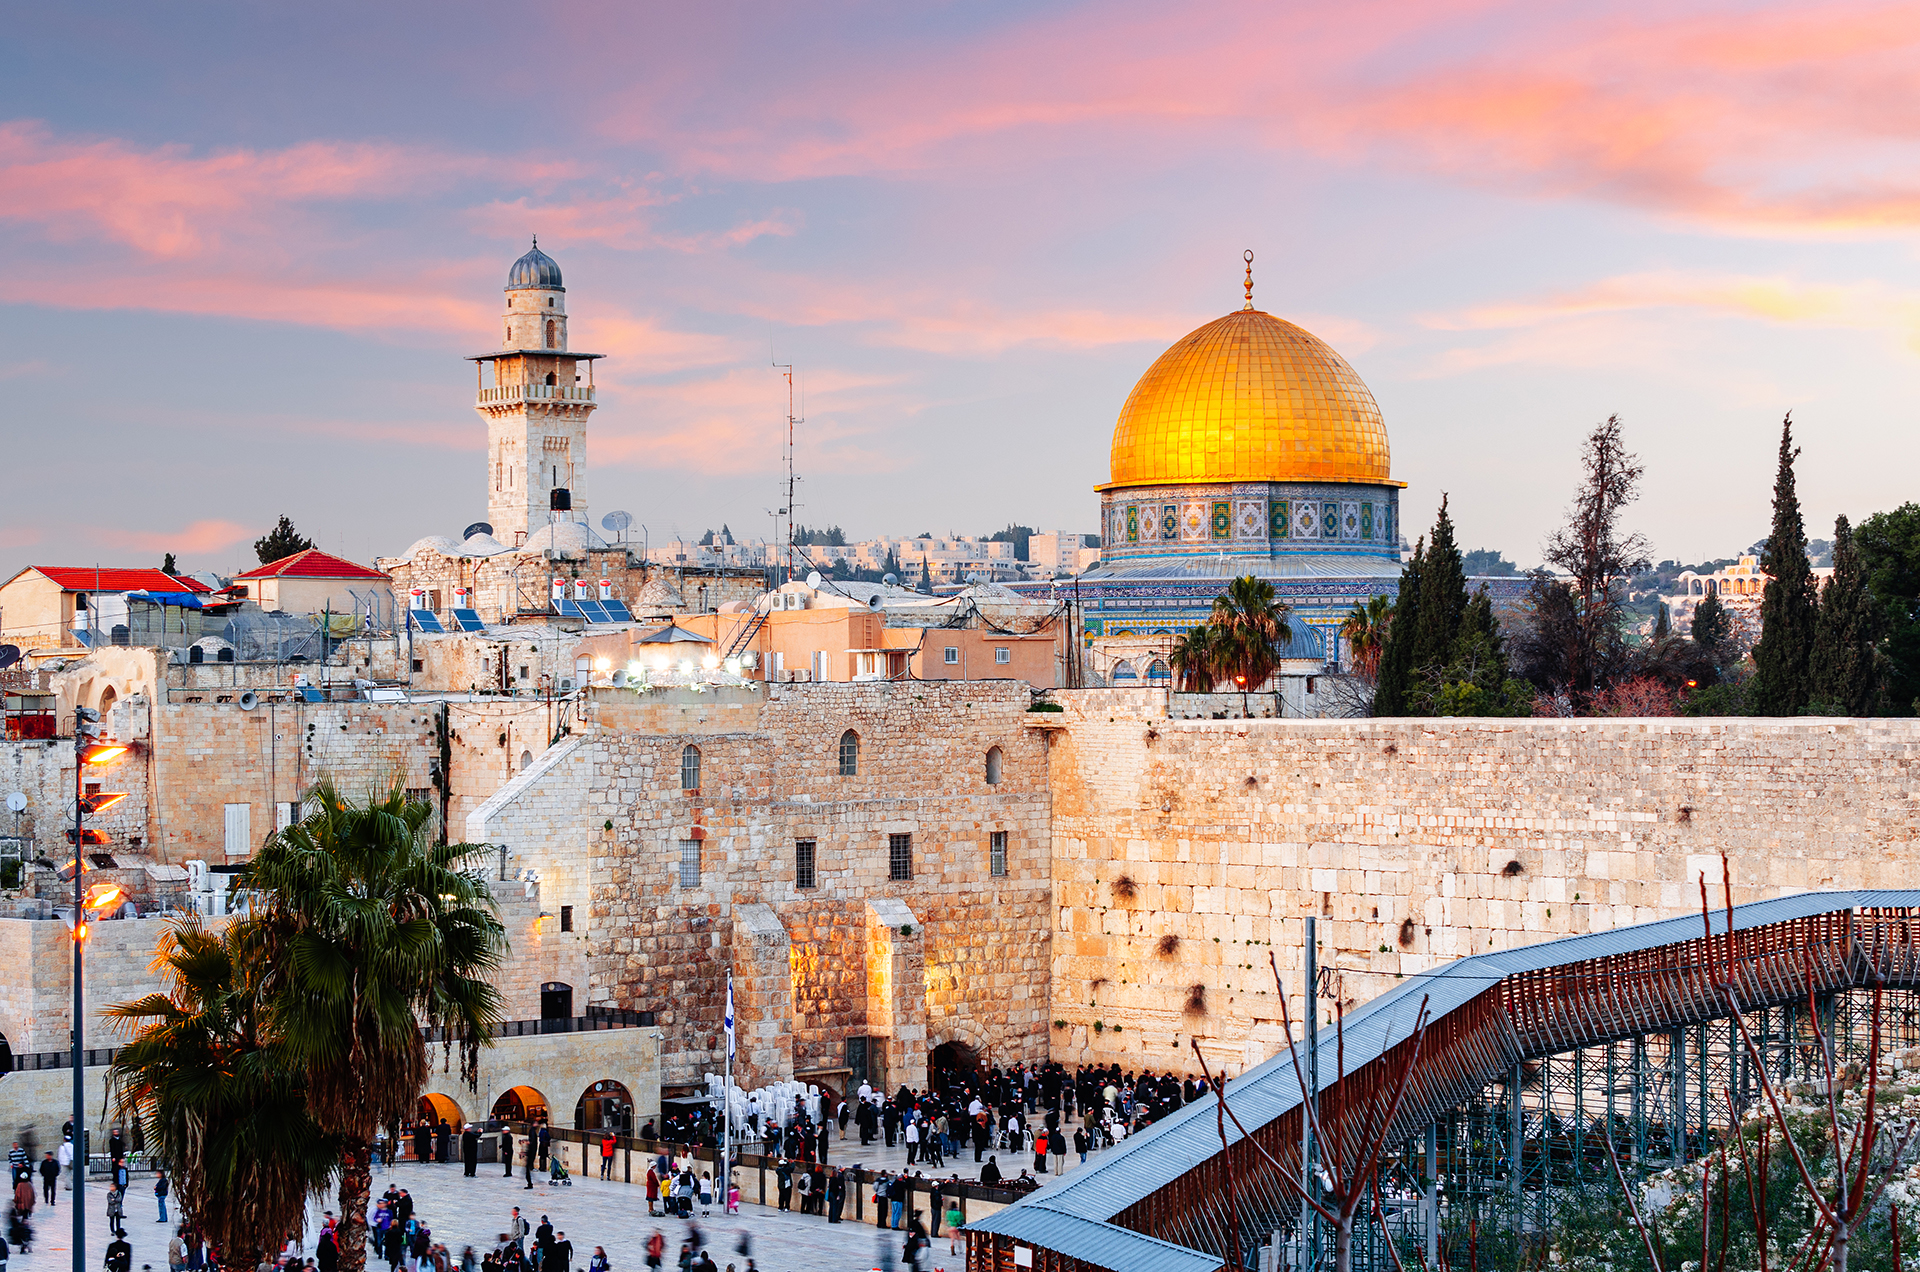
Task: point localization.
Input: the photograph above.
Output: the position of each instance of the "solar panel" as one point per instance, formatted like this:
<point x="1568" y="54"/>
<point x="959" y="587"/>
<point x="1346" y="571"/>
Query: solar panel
<point x="468" y="620"/>
<point x="570" y="609"/>
<point x="594" y="611"/>
<point x="617" y="611"/>
<point x="425" y="620"/>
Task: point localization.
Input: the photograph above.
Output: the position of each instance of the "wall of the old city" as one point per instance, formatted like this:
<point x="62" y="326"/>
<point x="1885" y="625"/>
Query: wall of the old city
<point x="1418" y="841"/>
<point x="770" y="776"/>
<point x="501" y="586"/>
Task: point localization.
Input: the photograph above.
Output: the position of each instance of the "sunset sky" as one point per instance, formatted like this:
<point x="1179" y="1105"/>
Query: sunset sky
<point x="243" y="248"/>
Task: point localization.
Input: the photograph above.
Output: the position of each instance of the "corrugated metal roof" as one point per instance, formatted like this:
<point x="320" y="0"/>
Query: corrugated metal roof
<point x="1188" y="1138"/>
<point x="1103" y="1244"/>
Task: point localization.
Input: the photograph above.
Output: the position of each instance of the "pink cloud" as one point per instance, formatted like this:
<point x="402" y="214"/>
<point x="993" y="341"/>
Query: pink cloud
<point x="197" y="538"/>
<point x="626" y="221"/>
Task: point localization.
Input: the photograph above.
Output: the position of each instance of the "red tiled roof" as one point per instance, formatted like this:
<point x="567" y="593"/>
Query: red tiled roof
<point x="86" y="578"/>
<point x="312" y="564"/>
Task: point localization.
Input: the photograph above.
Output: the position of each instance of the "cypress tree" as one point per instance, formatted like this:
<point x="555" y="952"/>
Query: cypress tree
<point x="1712" y="627"/>
<point x="1443" y="597"/>
<point x="1841" y="667"/>
<point x="1788" y="611"/>
<point x="1662" y="622"/>
<point x="1396" y="655"/>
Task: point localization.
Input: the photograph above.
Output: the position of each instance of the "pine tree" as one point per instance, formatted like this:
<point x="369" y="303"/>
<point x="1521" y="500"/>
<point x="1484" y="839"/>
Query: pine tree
<point x="280" y="542"/>
<point x="1841" y="666"/>
<point x="1595" y="555"/>
<point x="1443" y="597"/>
<point x="167" y="566"/>
<point x="1390" y="696"/>
<point x="1788" y="607"/>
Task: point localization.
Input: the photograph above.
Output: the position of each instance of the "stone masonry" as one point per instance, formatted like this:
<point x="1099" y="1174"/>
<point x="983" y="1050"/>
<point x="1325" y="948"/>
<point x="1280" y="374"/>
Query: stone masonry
<point x="952" y="953"/>
<point x="1185" y="852"/>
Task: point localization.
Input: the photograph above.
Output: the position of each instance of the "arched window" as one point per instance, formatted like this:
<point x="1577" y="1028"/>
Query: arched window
<point x="550" y="331"/>
<point x="690" y="768"/>
<point x="1157" y="672"/>
<point x="995" y="762"/>
<point x="1123" y="671"/>
<point x="849" y="754"/>
<point x="526" y="759"/>
<point x="552" y="378"/>
<point x="1696" y="587"/>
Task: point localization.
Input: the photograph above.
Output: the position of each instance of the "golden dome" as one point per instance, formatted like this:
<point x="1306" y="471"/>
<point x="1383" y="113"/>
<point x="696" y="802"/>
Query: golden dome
<point x="1249" y="397"/>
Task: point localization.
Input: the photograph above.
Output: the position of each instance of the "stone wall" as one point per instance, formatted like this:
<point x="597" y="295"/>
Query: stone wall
<point x="769" y="776"/>
<point x="561" y="1067"/>
<point x="1184" y="852"/>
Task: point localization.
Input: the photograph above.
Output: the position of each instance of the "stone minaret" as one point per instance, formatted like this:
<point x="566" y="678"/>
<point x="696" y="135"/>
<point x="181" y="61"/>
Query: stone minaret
<point x="536" y="405"/>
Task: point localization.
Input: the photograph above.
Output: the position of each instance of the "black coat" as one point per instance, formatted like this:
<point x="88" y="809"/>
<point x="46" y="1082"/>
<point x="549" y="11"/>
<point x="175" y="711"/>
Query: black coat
<point x="470" y="1146"/>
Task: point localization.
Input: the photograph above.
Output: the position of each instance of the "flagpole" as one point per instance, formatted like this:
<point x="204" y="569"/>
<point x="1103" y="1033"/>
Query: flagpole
<point x="726" y="1100"/>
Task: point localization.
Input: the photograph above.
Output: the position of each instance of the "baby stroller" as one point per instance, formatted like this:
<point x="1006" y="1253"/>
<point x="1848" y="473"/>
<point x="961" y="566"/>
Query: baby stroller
<point x="560" y="1174"/>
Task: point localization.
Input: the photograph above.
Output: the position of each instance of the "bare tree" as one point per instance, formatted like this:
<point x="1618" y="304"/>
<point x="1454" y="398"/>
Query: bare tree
<point x="1352" y="1141"/>
<point x="1591" y="549"/>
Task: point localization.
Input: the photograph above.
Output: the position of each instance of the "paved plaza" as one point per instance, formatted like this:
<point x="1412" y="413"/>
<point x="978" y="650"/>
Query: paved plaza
<point x="474" y="1212"/>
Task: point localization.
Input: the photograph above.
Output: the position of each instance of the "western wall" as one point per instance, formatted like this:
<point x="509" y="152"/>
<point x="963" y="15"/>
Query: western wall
<point x="1185" y="851"/>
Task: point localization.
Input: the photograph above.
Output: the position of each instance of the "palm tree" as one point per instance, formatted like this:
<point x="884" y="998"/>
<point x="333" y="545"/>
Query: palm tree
<point x="1365" y="629"/>
<point x="222" y="1103"/>
<point x="1252" y="623"/>
<point x="1193" y="659"/>
<point x="374" y="932"/>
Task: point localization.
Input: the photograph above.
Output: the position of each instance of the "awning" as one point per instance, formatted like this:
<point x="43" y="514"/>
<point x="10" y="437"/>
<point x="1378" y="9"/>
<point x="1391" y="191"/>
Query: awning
<point x="184" y="600"/>
<point x="673" y="634"/>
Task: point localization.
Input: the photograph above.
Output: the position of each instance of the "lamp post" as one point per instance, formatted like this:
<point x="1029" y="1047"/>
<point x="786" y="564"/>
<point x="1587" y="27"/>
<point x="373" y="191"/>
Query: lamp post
<point x="87" y="749"/>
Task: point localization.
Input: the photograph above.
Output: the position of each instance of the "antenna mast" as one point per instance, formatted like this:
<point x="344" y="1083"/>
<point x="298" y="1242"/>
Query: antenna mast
<point x="787" y="511"/>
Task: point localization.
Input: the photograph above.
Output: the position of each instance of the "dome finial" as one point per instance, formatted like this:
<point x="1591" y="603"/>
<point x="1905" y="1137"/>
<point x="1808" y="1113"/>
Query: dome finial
<point x="1249" y="260"/>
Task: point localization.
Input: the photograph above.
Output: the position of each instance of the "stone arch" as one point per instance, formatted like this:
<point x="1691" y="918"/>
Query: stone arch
<point x="958" y="1029"/>
<point x="437" y="1105"/>
<point x="521" y="1101"/>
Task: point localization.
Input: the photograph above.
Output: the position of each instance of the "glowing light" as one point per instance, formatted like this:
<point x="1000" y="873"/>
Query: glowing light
<point x="105" y="896"/>
<point x="659" y="662"/>
<point x="635" y="669"/>
<point x="79" y="931"/>
<point x="686" y="665"/>
<point x="101" y="752"/>
<point x="603" y="664"/>
<point x="710" y="661"/>
<point x="733" y="666"/>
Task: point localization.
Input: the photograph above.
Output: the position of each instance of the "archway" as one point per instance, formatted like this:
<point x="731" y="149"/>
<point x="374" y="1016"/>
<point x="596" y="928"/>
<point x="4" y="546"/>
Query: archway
<point x="434" y="1107"/>
<point x="604" y="1106"/>
<point x="520" y="1104"/>
<point x="952" y="1063"/>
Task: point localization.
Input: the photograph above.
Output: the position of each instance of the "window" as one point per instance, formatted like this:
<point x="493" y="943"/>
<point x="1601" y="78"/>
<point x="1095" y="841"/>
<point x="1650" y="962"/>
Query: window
<point x="566" y="918"/>
<point x="690" y="768"/>
<point x="995" y="763"/>
<point x="1002" y="655"/>
<point x="523" y="671"/>
<point x="1310" y="683"/>
<point x="419" y="664"/>
<point x="689" y="863"/>
<point x="820" y="665"/>
<point x="899" y="856"/>
<point x="997" y="854"/>
<point x="849" y="754"/>
<point x="952" y="655"/>
<point x="549" y="338"/>
<point x="803" y="876"/>
<point x="239" y="829"/>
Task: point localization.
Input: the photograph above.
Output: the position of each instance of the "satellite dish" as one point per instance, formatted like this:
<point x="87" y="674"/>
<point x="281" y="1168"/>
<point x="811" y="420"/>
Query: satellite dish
<point x="616" y="521"/>
<point x="9" y="655"/>
<point x="17" y="802"/>
<point x="813" y="579"/>
<point x="249" y="700"/>
<point x="891" y="580"/>
<point x="478" y="527"/>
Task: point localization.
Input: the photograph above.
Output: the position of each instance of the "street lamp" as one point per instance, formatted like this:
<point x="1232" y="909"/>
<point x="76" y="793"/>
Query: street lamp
<point x="87" y="749"/>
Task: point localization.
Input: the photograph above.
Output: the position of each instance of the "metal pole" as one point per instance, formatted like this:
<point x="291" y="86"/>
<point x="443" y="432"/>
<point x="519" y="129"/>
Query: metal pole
<point x="79" y="1000"/>
<point x="1433" y="1195"/>
<point x="1309" y="1151"/>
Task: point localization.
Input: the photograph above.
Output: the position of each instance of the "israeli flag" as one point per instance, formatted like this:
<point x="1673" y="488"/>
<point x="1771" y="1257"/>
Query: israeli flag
<point x="729" y="1017"/>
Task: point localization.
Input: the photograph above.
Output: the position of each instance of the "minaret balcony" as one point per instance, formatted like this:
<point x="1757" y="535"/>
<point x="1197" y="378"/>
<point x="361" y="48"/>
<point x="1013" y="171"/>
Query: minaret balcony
<point x="508" y="394"/>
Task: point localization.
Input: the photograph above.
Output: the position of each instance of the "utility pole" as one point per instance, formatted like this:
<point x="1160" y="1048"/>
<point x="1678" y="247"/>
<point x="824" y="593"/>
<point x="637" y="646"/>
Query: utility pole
<point x="87" y="749"/>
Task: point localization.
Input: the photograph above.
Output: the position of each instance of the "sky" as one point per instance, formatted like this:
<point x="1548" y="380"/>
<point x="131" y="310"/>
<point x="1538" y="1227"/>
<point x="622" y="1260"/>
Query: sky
<point x="244" y="248"/>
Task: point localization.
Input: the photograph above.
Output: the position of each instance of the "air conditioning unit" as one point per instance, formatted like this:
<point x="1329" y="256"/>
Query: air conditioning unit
<point x="750" y="659"/>
<point x="566" y="684"/>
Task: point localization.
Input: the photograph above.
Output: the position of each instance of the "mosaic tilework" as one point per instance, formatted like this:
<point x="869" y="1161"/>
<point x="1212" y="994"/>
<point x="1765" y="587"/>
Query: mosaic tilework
<point x="1279" y="524"/>
<point x="1133" y="524"/>
<point x="1222" y="521"/>
<point x="1249" y="519"/>
<point x="1193" y="524"/>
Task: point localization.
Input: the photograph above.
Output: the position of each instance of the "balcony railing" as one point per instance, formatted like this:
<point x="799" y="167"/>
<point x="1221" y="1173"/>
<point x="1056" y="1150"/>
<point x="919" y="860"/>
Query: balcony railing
<point x="506" y="394"/>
